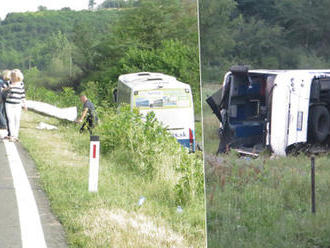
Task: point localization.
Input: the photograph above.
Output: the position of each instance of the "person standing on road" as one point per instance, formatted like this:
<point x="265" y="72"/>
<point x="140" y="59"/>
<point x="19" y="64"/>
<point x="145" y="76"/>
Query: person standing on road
<point x="14" y="101"/>
<point x="4" y="83"/>
<point x="90" y="114"/>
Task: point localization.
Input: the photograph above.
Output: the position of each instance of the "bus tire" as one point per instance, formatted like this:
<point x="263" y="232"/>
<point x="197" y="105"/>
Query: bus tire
<point x="319" y="123"/>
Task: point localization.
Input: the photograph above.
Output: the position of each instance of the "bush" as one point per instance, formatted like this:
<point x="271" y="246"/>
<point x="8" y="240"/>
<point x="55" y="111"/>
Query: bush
<point x="153" y="152"/>
<point x="100" y="93"/>
<point x="65" y="98"/>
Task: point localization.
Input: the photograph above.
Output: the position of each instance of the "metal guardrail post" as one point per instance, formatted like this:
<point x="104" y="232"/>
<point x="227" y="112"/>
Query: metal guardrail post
<point x="313" y="183"/>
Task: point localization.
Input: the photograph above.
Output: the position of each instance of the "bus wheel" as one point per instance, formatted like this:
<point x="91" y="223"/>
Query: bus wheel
<point x="319" y="123"/>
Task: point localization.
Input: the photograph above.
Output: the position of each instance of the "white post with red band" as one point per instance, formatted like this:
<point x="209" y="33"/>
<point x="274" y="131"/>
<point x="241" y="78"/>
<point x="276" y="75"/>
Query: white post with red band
<point x="94" y="156"/>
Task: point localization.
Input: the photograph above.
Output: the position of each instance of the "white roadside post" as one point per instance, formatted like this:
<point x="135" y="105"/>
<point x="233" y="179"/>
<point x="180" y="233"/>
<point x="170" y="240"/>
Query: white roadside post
<point x="94" y="156"/>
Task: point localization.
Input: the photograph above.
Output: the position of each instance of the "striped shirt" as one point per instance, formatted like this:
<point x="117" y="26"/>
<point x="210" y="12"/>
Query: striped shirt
<point x="16" y="94"/>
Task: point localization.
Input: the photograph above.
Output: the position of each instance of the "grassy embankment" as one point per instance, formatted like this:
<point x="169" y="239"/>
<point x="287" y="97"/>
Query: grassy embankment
<point x="263" y="202"/>
<point x="111" y="217"/>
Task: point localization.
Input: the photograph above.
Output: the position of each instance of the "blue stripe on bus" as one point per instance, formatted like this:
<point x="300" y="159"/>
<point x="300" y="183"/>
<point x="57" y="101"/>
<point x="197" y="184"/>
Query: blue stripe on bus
<point x="186" y="143"/>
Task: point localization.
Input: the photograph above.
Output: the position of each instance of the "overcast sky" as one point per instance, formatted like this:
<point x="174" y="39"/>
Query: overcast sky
<point x="8" y="6"/>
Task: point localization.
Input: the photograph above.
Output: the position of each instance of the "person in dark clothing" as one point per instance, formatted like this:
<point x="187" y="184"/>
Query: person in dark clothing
<point x="4" y="84"/>
<point x="3" y="122"/>
<point x="88" y="116"/>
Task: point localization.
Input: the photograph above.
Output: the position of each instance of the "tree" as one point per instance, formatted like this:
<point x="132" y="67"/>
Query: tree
<point x="118" y="4"/>
<point x="42" y="8"/>
<point x="259" y="9"/>
<point x="85" y="42"/>
<point x="258" y="44"/>
<point x="157" y="20"/>
<point x="91" y="4"/>
<point x="306" y="23"/>
<point x="216" y="36"/>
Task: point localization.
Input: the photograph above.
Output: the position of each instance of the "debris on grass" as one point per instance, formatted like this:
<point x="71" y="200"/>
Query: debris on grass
<point x="43" y="125"/>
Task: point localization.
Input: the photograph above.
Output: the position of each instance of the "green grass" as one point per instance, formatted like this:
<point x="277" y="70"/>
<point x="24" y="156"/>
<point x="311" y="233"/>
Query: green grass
<point x="263" y="202"/>
<point x="266" y="203"/>
<point x="111" y="217"/>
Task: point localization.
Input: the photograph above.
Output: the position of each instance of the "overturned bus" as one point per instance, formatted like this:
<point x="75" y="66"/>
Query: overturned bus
<point x="272" y="109"/>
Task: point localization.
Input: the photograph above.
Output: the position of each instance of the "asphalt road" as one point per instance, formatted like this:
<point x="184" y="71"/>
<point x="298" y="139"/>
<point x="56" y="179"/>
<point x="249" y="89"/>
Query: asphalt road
<point x="19" y="222"/>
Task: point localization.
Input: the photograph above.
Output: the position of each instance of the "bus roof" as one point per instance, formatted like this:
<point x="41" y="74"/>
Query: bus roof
<point x="150" y="80"/>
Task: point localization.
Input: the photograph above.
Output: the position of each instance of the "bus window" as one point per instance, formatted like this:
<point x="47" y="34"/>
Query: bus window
<point x="163" y="98"/>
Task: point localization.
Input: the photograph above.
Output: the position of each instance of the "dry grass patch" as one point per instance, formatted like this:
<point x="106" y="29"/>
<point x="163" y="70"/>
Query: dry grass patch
<point x="118" y="228"/>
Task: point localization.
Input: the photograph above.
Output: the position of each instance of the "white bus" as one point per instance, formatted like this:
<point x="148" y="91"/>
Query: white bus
<point x="170" y="100"/>
<point x="279" y="109"/>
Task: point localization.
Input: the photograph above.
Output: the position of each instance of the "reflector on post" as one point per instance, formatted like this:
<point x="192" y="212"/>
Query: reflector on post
<point x="191" y="141"/>
<point x="94" y="156"/>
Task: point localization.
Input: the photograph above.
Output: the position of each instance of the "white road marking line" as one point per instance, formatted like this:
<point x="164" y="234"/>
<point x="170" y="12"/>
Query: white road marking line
<point x="31" y="229"/>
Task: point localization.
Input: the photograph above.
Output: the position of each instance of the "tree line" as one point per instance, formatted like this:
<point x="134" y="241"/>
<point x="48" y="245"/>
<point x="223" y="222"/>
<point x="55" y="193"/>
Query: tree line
<point x="263" y="34"/>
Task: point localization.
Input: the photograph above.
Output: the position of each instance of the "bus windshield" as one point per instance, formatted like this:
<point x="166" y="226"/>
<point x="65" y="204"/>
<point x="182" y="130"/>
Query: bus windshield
<point x="162" y="98"/>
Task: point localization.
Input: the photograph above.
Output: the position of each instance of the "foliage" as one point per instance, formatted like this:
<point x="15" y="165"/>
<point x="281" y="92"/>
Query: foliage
<point x="260" y="49"/>
<point x="91" y="4"/>
<point x="150" y="148"/>
<point x="27" y="32"/>
<point x="45" y="40"/>
<point x="157" y="20"/>
<point x="263" y="34"/>
<point x="216" y="31"/>
<point x="118" y="4"/>
<point x="261" y="9"/>
<point x="99" y="93"/>
<point x="65" y="98"/>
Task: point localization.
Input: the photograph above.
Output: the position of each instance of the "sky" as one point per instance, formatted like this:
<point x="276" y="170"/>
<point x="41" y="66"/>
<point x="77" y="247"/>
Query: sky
<point x="8" y="6"/>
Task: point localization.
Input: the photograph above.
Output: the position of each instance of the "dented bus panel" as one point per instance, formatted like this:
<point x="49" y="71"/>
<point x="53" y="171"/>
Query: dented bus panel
<point x="272" y="109"/>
